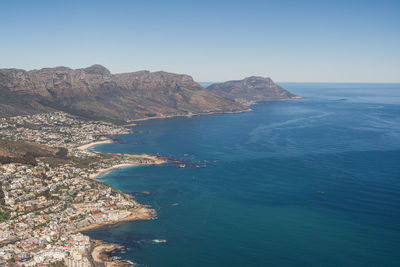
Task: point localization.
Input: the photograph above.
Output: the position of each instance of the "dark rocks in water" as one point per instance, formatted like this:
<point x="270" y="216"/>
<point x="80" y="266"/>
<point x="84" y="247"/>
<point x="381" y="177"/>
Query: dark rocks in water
<point x="144" y="193"/>
<point x="119" y="141"/>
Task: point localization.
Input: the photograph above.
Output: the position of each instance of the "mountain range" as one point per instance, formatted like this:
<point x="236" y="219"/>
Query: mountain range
<point x="96" y="93"/>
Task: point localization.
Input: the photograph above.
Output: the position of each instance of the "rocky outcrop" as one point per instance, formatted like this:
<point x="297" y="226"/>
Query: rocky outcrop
<point x="95" y="93"/>
<point x="251" y="90"/>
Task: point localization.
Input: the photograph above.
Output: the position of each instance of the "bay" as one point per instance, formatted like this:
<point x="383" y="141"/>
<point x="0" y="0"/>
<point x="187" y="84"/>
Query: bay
<point x="313" y="182"/>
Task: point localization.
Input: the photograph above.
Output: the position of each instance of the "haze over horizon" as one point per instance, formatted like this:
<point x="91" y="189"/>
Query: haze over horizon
<point x="289" y="41"/>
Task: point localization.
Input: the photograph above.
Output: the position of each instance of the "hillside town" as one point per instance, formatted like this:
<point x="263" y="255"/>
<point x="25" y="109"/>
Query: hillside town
<point x="57" y="129"/>
<point x="44" y="208"/>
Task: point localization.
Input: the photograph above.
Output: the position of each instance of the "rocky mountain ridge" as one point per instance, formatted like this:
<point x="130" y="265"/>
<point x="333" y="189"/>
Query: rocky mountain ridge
<point x="95" y="93"/>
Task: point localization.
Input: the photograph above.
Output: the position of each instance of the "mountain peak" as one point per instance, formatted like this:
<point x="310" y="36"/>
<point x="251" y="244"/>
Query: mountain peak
<point x="257" y="78"/>
<point x="97" y="69"/>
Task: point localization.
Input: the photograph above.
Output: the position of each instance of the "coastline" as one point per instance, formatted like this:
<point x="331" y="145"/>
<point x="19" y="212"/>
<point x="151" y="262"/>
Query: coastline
<point x="96" y="205"/>
<point x="248" y="109"/>
<point x="99" y="250"/>
<point x="140" y="212"/>
<point x="190" y="115"/>
<point x="145" y="158"/>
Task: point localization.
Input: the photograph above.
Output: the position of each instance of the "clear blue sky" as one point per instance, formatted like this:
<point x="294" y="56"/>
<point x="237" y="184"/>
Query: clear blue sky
<point x="315" y="41"/>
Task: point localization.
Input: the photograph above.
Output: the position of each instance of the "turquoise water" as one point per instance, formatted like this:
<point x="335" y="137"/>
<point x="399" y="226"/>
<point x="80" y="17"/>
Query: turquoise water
<point x="254" y="200"/>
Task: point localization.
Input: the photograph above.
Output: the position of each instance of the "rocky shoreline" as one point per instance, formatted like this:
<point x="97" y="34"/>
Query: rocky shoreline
<point x="142" y="212"/>
<point x="100" y="254"/>
<point x="100" y="250"/>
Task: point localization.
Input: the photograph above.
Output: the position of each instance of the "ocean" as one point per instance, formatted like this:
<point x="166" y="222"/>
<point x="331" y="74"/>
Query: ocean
<point x="314" y="182"/>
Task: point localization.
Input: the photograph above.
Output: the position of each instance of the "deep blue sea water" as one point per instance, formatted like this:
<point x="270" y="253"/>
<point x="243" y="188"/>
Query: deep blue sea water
<point x="255" y="200"/>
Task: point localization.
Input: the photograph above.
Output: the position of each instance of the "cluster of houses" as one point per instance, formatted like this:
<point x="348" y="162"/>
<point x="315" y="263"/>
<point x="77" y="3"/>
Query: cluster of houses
<point x="47" y="205"/>
<point x="43" y="208"/>
<point x="57" y="129"/>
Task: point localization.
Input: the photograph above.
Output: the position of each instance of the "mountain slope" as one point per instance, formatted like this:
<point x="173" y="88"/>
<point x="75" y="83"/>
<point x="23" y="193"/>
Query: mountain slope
<point x="11" y="104"/>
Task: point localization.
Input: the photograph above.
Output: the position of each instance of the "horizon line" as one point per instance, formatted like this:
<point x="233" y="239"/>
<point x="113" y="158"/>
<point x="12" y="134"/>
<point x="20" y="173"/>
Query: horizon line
<point x="398" y="82"/>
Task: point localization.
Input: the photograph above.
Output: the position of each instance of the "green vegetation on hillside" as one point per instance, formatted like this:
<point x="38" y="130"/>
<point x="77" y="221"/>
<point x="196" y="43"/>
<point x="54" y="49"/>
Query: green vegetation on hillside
<point x="4" y="215"/>
<point x="26" y="153"/>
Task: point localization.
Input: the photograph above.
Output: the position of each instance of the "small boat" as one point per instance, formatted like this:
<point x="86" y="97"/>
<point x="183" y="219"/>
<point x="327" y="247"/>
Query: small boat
<point x="320" y="192"/>
<point x="159" y="240"/>
<point x="182" y="165"/>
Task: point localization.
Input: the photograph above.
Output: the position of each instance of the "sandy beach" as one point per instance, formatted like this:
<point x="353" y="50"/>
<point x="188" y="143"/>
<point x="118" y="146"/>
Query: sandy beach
<point x="115" y="167"/>
<point x="130" y="125"/>
<point x="145" y="159"/>
<point x="85" y="147"/>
